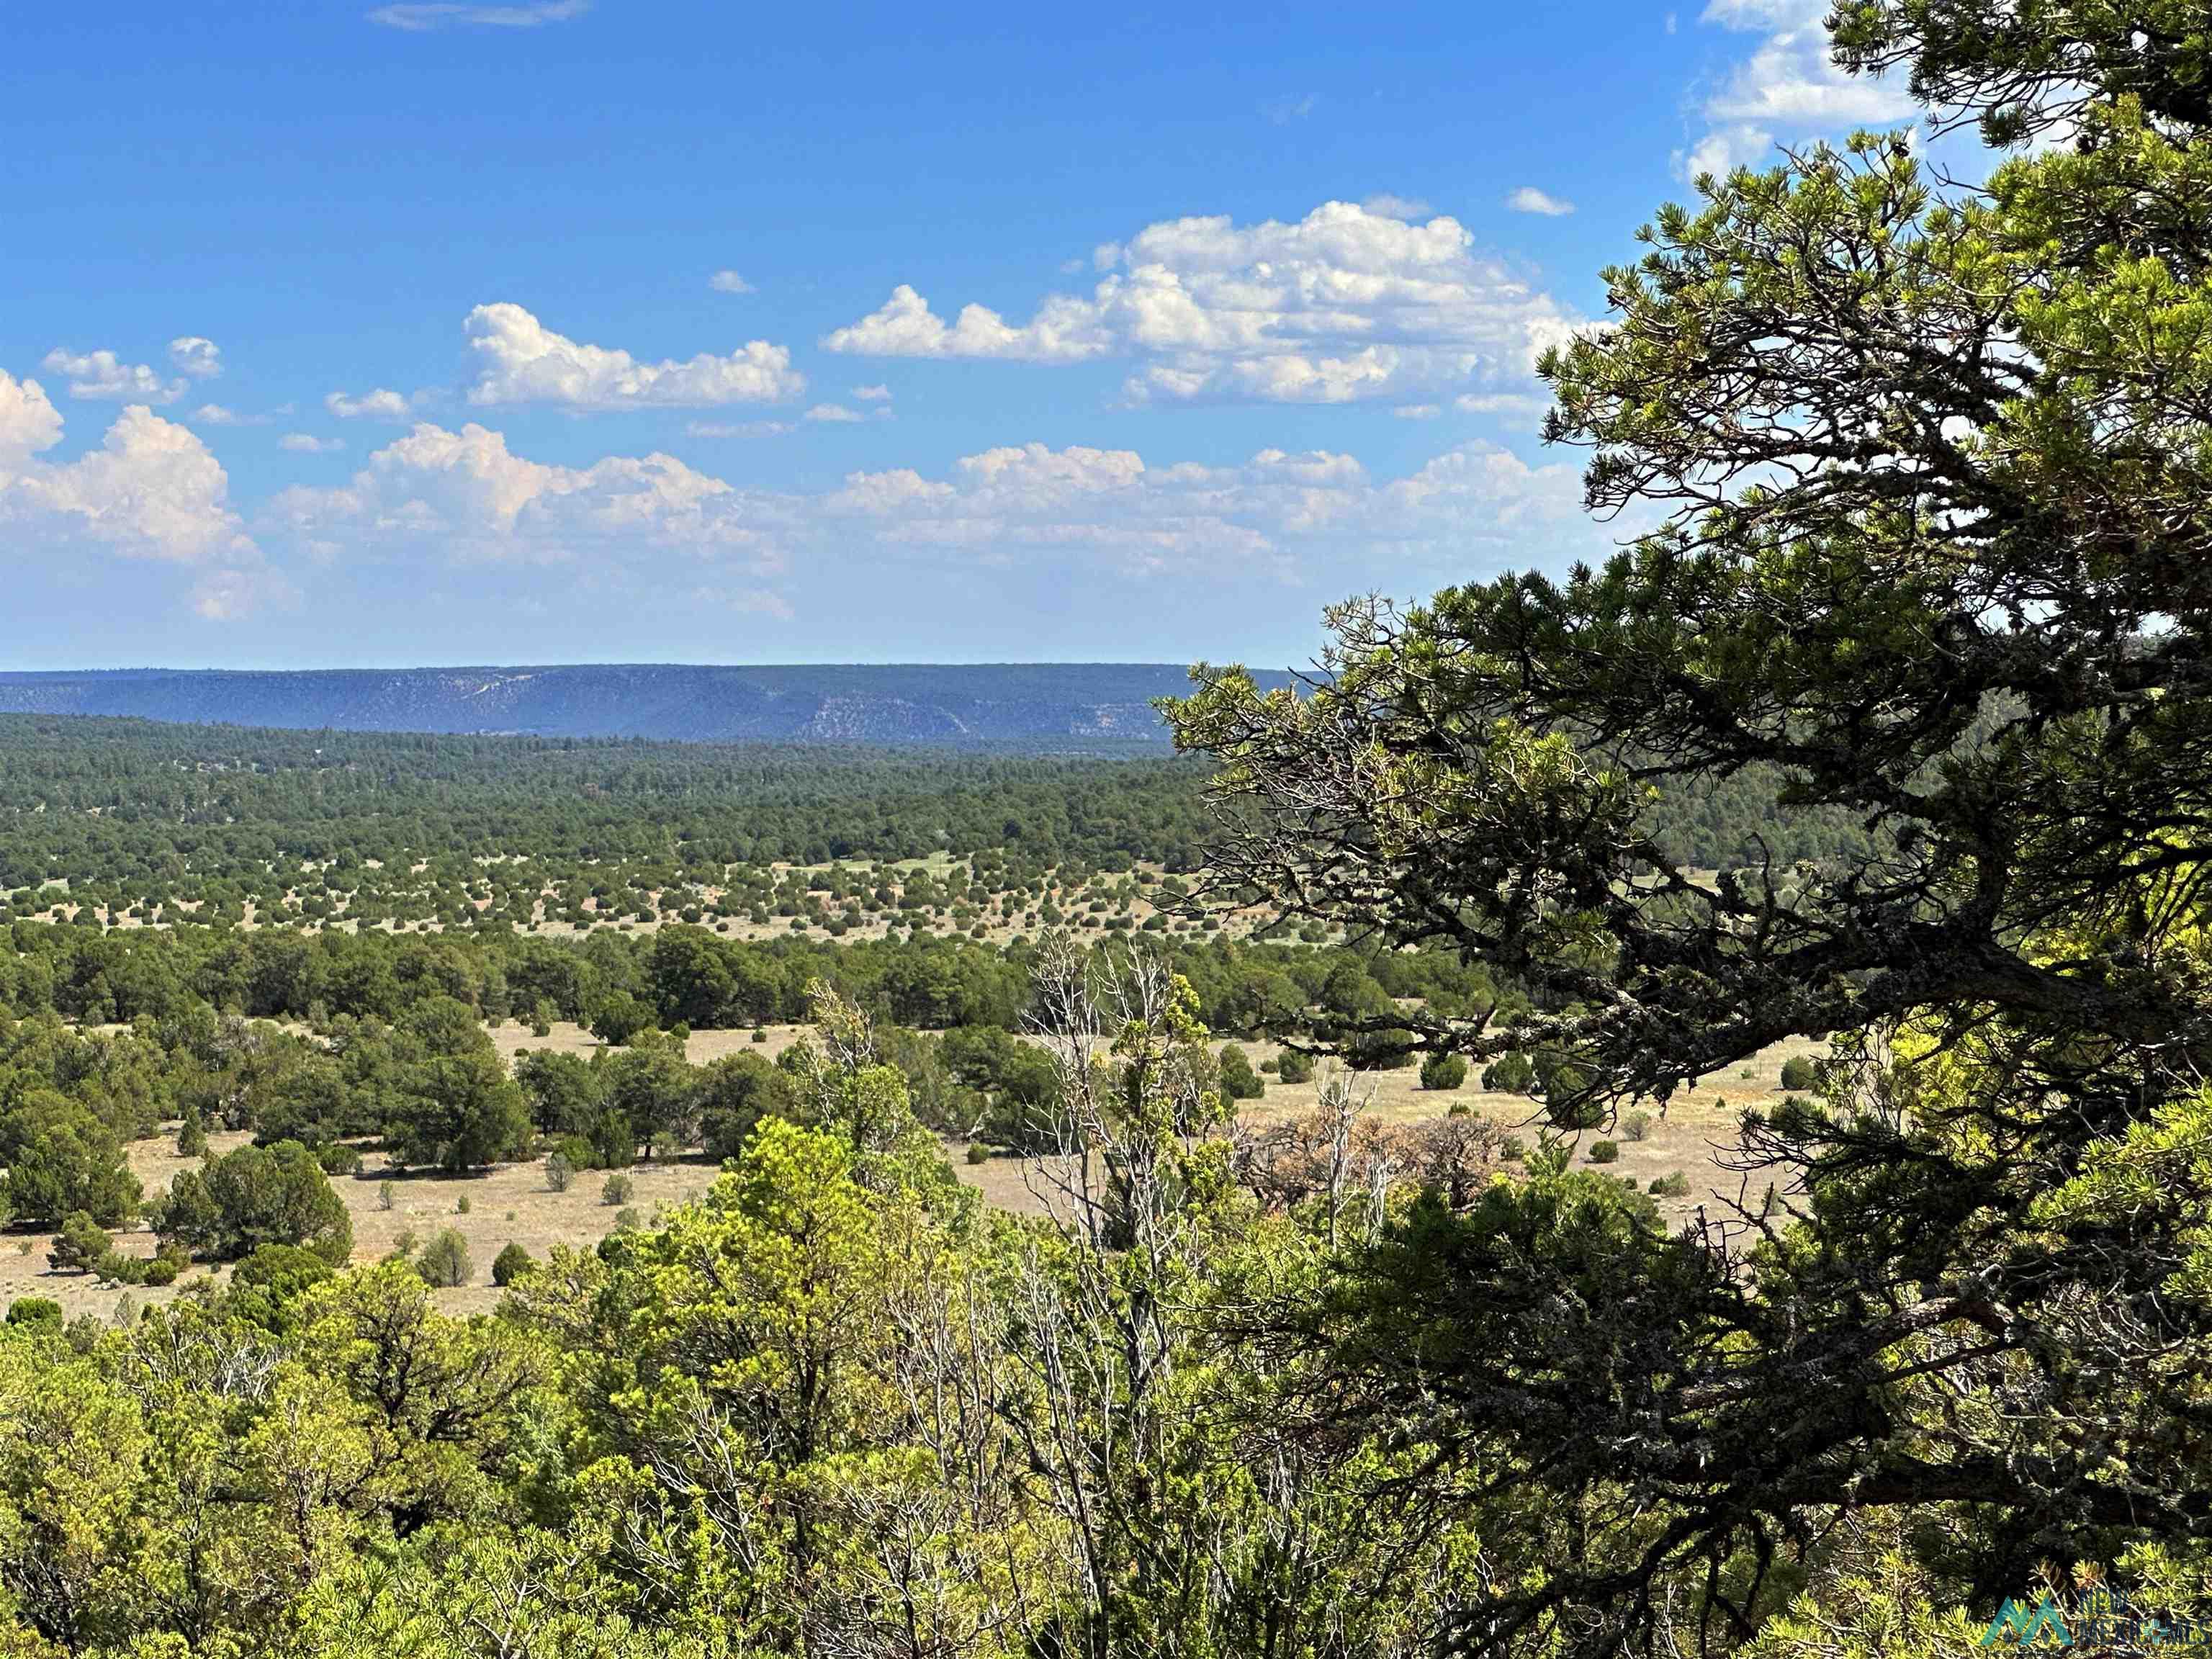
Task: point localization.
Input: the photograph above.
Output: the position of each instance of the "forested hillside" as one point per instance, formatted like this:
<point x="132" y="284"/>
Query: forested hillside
<point x="131" y="817"/>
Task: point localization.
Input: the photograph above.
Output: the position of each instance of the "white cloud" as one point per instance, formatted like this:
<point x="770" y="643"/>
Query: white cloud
<point x="737" y="428"/>
<point x="872" y="394"/>
<point x="524" y="361"/>
<point x="305" y="443"/>
<point x="465" y="495"/>
<point x="1064" y="331"/>
<point x="103" y="374"/>
<point x="29" y="424"/>
<point x="1524" y="404"/>
<point x="215" y="415"/>
<point x="420" y="19"/>
<point x="1285" y="511"/>
<point x="1418" y="411"/>
<point x="1393" y="206"/>
<point x="832" y="415"/>
<point x="1348" y="303"/>
<point x="150" y="491"/>
<point x="728" y="282"/>
<point x="198" y="357"/>
<point x="1788" y="88"/>
<point x="1529" y="199"/>
<point x="437" y="497"/>
<point x="381" y="405"/>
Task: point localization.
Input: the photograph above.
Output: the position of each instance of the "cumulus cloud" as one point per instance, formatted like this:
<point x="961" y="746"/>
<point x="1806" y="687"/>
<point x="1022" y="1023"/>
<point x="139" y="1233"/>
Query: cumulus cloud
<point x="1391" y="205"/>
<point x="465" y="495"/>
<point x="104" y="375"/>
<point x="29" y="424"/>
<point x="1280" y="509"/>
<point x="381" y="404"/>
<point x="521" y="360"/>
<point x="1788" y="90"/>
<point x="151" y="490"/>
<point x="421" y="19"/>
<point x="305" y="443"/>
<point x="1346" y="304"/>
<point x="1529" y="199"/>
<point x="198" y="357"/>
<point x="215" y="415"/>
<point x="437" y="497"/>
<point x="728" y="282"/>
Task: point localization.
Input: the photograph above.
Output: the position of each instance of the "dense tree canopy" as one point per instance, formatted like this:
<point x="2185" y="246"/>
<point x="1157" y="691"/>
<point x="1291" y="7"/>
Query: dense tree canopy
<point x="1933" y="464"/>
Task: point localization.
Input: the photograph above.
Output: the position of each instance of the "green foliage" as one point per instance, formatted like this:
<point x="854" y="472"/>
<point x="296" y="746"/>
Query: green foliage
<point x="79" y="1245"/>
<point x="1293" y="1065"/>
<point x="1511" y="1074"/>
<point x="1443" y="1071"/>
<point x="1604" y="1152"/>
<point x="35" y="1313"/>
<point x="616" y="1190"/>
<point x="1798" y="1072"/>
<point x="510" y="1264"/>
<point x="252" y="1197"/>
<point x="1238" y="1080"/>
<point x="62" y="1158"/>
<point x="443" y="1261"/>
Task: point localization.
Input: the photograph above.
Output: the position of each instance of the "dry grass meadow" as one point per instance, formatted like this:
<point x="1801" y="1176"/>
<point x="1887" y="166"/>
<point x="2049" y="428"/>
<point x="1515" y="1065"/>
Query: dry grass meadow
<point x="512" y="1203"/>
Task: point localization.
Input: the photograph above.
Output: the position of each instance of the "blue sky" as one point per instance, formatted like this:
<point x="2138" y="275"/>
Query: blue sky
<point x="344" y="334"/>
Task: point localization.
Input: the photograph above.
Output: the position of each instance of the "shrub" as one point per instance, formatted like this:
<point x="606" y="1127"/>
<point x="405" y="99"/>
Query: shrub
<point x="1294" y="1067"/>
<point x="253" y="1196"/>
<point x="510" y="1264"/>
<point x="338" y="1159"/>
<point x="1238" y="1080"/>
<point x="735" y="1093"/>
<point x="283" y="1270"/>
<point x="1512" y="1149"/>
<point x="1636" y="1126"/>
<point x="627" y="1220"/>
<point x="192" y="1136"/>
<point x="1443" y="1071"/>
<point x="61" y="1158"/>
<point x="79" y="1246"/>
<point x="35" y="1313"/>
<point x="619" y="1019"/>
<point x="383" y="1194"/>
<point x="1512" y="1074"/>
<point x="560" y="1172"/>
<point x="461" y="1205"/>
<point x="978" y="1153"/>
<point x="760" y="1034"/>
<point x="445" y="1262"/>
<point x="616" y="1190"/>
<point x="1798" y="1071"/>
<point x="1676" y="1185"/>
<point x="1605" y="1151"/>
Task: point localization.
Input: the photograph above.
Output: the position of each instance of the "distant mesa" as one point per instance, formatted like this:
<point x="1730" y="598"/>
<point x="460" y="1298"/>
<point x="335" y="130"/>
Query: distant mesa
<point x="1023" y="705"/>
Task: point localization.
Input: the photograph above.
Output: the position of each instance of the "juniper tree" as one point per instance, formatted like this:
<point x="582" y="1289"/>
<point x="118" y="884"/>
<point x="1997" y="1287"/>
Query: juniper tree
<point x="1927" y="474"/>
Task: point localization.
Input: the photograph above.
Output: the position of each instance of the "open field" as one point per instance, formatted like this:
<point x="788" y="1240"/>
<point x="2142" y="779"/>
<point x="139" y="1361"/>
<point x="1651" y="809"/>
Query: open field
<point x="512" y="1204"/>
